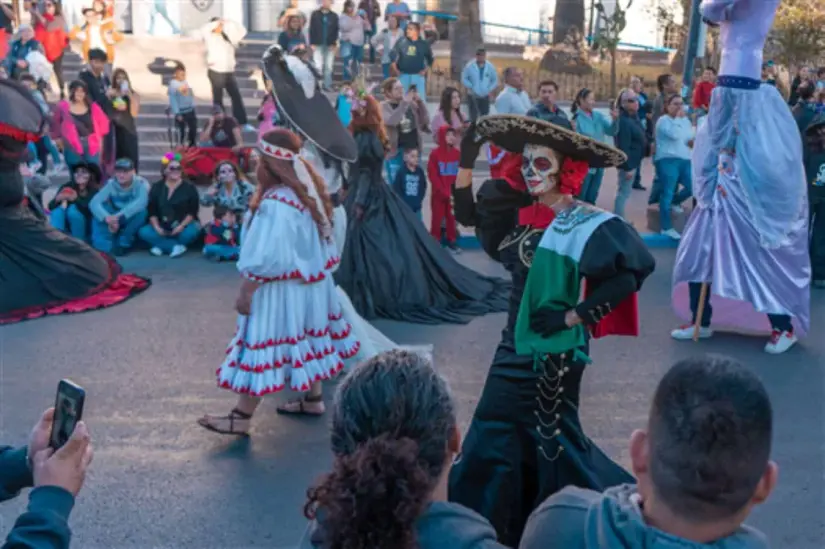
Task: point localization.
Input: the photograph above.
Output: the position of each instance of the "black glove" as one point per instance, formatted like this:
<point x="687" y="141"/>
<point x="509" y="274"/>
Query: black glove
<point x="546" y="321"/>
<point x="471" y="144"/>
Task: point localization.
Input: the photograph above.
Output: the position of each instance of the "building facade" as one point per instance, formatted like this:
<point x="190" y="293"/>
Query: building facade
<point x="166" y="17"/>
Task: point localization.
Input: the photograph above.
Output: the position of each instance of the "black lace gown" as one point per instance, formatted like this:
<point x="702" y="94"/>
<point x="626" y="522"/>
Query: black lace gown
<point x="525" y="441"/>
<point x="392" y="268"/>
<point x="43" y="271"/>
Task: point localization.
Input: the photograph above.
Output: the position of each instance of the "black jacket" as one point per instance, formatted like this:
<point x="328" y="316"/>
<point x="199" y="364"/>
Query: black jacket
<point x="316" y="28"/>
<point x="631" y="140"/>
<point x="97" y="90"/>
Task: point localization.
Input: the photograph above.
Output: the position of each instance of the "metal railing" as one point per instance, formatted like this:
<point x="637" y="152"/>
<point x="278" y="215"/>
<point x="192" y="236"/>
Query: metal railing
<point x="534" y="36"/>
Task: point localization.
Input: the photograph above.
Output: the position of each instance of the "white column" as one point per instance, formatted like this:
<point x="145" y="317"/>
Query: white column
<point x="235" y="10"/>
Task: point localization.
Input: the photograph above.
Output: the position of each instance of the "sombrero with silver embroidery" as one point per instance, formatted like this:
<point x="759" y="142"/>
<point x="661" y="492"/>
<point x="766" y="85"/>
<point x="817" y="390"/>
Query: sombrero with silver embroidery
<point x="303" y="105"/>
<point x="513" y="132"/>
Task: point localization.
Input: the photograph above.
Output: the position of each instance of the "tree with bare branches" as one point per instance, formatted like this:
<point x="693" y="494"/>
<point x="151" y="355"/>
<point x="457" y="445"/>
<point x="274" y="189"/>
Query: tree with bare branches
<point x="611" y="27"/>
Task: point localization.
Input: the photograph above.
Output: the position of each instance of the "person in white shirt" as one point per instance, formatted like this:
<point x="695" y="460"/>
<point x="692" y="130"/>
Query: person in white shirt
<point x="513" y="99"/>
<point x="221" y="38"/>
<point x="481" y="80"/>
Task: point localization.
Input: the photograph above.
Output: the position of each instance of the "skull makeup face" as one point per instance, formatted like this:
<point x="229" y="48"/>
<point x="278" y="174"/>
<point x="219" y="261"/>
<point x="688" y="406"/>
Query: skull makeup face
<point x="540" y="167"/>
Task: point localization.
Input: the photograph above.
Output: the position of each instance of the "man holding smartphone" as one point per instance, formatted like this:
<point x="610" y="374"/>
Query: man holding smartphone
<point x="56" y="476"/>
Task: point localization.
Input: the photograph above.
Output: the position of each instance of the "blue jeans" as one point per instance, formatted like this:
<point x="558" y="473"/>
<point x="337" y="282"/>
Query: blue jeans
<point x="419" y="81"/>
<point x="73" y="158"/>
<point x="352" y="63"/>
<point x="187" y="236"/>
<point x="590" y="188"/>
<point x="368" y="43"/>
<point x="223" y="252"/>
<point x="670" y="172"/>
<point x="623" y="189"/>
<point x="324" y="58"/>
<point x="70" y="220"/>
<point x="385" y="67"/>
<point x="392" y="164"/>
<point x="50" y="146"/>
<point x="104" y="240"/>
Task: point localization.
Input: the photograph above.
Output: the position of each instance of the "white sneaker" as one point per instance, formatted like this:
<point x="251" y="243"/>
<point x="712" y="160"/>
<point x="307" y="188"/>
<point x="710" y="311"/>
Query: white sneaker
<point x="671" y="233"/>
<point x="249" y="128"/>
<point x="677" y="209"/>
<point x="685" y="333"/>
<point x="780" y="342"/>
<point x="178" y="250"/>
<point x="157" y="252"/>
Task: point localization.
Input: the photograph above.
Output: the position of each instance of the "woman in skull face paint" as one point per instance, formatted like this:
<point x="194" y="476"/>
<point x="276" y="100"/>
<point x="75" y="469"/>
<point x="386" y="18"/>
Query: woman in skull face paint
<point x="525" y="441"/>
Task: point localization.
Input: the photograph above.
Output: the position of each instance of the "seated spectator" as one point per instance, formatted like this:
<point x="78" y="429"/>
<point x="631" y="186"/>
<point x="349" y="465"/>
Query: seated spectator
<point x="293" y="35"/>
<point x="45" y="146"/>
<point x="182" y="106"/>
<point x="25" y="43"/>
<point x="221" y="131"/>
<point x="69" y="209"/>
<point x="230" y="189"/>
<point x="173" y="212"/>
<point x="701" y="466"/>
<point x="119" y="209"/>
<point x="57" y="478"/>
<point x="81" y="126"/>
<point x="222" y="241"/>
<point x="394" y="437"/>
<point x="449" y="112"/>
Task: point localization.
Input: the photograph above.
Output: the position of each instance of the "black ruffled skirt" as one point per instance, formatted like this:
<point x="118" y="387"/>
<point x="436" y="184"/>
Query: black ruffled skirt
<point x="526" y="442"/>
<point x="392" y="268"/>
<point x="44" y="271"/>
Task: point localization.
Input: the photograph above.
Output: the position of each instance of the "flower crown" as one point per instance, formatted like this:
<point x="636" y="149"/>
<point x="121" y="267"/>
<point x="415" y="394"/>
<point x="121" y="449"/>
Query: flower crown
<point x="170" y="157"/>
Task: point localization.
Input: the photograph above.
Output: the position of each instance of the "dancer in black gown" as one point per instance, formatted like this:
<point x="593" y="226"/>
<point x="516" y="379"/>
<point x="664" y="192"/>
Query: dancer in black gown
<point x="42" y="270"/>
<point x="392" y="267"/>
<point x="525" y="441"/>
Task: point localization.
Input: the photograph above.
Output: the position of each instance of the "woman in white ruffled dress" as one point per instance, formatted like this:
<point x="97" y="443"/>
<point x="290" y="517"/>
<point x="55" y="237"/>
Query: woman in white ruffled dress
<point x="291" y="327"/>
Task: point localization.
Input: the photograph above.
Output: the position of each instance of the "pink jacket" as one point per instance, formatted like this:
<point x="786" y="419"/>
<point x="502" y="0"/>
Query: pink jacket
<point x="64" y="128"/>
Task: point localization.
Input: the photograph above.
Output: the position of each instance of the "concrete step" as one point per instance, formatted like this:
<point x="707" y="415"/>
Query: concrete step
<point x="156" y="112"/>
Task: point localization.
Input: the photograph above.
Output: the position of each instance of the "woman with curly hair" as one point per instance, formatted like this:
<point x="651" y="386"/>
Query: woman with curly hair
<point x="391" y="267"/>
<point x="394" y="436"/>
<point x="290" y="328"/>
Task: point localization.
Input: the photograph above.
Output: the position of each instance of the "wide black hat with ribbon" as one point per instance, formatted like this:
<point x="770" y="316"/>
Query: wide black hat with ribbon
<point x="513" y="132"/>
<point x="303" y="105"/>
<point x="21" y="120"/>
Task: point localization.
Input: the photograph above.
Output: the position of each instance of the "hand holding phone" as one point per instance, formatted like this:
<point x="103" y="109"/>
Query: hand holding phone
<point x="68" y="411"/>
<point x="66" y="468"/>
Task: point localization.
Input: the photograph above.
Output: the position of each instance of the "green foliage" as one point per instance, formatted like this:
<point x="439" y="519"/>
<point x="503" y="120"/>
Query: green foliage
<point x="797" y="35"/>
<point x="611" y="26"/>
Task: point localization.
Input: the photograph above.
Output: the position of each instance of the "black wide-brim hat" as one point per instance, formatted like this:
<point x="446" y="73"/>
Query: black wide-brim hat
<point x="313" y="118"/>
<point x="21" y="119"/>
<point x="513" y="132"/>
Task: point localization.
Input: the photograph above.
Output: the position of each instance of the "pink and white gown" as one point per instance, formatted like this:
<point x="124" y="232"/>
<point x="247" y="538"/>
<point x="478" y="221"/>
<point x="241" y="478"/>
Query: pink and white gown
<point x="296" y="332"/>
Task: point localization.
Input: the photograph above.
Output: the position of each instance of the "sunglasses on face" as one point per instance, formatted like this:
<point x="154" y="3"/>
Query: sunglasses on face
<point x="173" y="168"/>
<point x="630" y="100"/>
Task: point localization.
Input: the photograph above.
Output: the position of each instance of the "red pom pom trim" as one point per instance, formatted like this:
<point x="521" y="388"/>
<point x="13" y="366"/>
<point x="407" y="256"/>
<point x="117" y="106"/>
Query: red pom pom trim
<point x="572" y="176"/>
<point x="17" y="134"/>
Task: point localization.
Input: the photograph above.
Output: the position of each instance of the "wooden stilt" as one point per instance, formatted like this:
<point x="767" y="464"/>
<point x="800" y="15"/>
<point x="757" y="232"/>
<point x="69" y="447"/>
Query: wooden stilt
<point x="700" y="310"/>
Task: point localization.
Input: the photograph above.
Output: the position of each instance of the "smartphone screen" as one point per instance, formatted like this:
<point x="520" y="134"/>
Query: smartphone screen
<point x="68" y="410"/>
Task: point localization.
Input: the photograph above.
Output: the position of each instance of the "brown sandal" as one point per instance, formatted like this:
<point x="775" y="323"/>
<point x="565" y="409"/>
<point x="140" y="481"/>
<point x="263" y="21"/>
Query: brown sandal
<point x="234" y="415"/>
<point x="301" y="411"/>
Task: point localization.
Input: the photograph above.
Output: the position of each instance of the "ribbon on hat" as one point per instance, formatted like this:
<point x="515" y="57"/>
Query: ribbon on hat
<point x="304" y="177"/>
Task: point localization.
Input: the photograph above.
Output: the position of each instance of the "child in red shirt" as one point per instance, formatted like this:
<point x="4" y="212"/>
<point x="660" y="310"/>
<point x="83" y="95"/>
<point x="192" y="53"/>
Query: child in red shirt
<point x="442" y="169"/>
<point x="703" y="91"/>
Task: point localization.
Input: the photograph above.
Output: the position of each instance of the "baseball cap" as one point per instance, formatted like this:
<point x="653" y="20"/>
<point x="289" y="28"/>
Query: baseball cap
<point x="124" y="164"/>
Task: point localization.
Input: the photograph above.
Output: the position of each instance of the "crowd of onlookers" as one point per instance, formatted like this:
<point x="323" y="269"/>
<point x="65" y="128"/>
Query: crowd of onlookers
<point x="701" y="463"/>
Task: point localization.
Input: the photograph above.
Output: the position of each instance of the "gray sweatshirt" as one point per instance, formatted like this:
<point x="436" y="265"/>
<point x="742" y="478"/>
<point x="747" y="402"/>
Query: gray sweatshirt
<point x="443" y="526"/>
<point x="181" y="98"/>
<point x="583" y="519"/>
<point x="114" y="199"/>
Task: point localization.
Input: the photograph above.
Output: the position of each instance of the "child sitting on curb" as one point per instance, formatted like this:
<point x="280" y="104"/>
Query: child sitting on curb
<point x="222" y="239"/>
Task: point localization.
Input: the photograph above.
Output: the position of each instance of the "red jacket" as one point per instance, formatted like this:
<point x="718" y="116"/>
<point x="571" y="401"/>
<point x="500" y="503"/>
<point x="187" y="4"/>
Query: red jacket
<point x="701" y="95"/>
<point x="54" y="39"/>
<point x="442" y="167"/>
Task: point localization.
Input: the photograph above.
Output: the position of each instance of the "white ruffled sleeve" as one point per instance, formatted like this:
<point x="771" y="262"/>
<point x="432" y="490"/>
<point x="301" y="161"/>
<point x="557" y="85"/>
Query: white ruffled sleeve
<point x="281" y="242"/>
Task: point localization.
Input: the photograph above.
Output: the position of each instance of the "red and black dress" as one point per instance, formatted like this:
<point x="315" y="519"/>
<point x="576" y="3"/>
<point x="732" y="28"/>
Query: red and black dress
<point x="42" y="270"/>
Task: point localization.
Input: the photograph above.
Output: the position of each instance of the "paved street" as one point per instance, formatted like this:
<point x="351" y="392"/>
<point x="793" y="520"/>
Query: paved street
<point x="159" y="481"/>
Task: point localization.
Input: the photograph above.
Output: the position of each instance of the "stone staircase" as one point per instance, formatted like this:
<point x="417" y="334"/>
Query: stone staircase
<point x="151" y="74"/>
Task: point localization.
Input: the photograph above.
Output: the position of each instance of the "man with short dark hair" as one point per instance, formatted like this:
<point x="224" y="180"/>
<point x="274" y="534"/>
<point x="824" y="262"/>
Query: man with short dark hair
<point x="701" y="466"/>
<point x="513" y="99"/>
<point x="546" y="109"/>
<point x="481" y="80"/>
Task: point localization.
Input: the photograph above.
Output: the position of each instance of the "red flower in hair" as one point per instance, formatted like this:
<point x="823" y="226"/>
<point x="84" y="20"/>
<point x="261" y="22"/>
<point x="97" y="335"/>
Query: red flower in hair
<point x="572" y="176"/>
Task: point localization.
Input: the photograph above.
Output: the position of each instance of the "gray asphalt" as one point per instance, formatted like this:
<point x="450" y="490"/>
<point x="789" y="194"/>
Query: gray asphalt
<point x="159" y="481"/>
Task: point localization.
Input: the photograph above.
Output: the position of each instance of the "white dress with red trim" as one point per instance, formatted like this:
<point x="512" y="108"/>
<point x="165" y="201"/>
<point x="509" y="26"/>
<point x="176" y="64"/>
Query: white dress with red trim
<point x="296" y="332"/>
